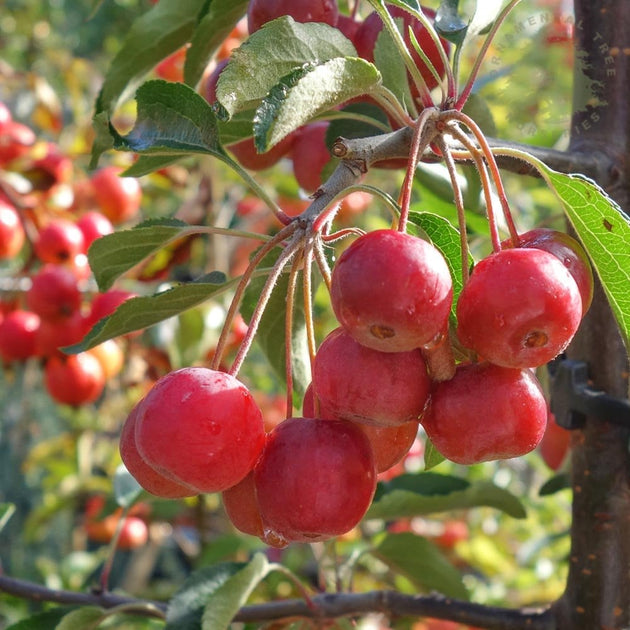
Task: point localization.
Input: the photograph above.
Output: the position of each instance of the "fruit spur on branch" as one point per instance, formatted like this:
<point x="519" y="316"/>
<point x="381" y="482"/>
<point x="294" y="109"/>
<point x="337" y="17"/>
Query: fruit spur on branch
<point x="415" y="344"/>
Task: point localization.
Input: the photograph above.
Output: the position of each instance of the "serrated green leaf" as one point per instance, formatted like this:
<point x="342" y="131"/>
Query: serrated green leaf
<point x="445" y="236"/>
<point x="271" y="333"/>
<point x="126" y="488"/>
<point x="209" y="35"/>
<point x="6" y="512"/>
<point x="221" y="585"/>
<point x="428" y="493"/>
<point x="153" y="36"/>
<point x="422" y="562"/>
<point x="604" y="231"/>
<point x="239" y="127"/>
<point x="173" y="120"/>
<point x="146" y="164"/>
<point x="309" y="91"/>
<point x="273" y="52"/>
<point x="42" y="621"/>
<point x="225" y="602"/>
<point x="139" y="313"/>
<point x="112" y="255"/>
<point x="432" y="457"/>
<point x="83" y="618"/>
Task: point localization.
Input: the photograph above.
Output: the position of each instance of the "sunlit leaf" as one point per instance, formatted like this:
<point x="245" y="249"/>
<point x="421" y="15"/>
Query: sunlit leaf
<point x="139" y="313"/>
<point x="422" y="562"/>
<point x="309" y="91"/>
<point x="6" y="511"/>
<point x="273" y="52"/>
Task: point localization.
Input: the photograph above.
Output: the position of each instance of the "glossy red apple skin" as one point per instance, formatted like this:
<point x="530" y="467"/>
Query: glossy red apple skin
<point x="18" y="335"/>
<point x="315" y="479"/>
<point x="260" y="12"/>
<point x="151" y="480"/>
<point x="201" y="428"/>
<point x="54" y="293"/>
<point x="486" y="412"/>
<point x="392" y="291"/>
<point x="569" y="251"/>
<point x="74" y="380"/>
<point x="365" y="385"/>
<point x="519" y="308"/>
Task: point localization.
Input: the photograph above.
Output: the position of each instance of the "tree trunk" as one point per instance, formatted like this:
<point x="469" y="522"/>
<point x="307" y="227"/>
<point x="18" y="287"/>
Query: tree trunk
<point x="597" y="595"/>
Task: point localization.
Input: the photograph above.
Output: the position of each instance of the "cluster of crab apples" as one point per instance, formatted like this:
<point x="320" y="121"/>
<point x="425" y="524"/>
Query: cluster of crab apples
<point x="375" y="380"/>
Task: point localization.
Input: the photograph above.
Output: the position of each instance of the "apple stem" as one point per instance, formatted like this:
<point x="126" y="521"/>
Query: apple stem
<point x="288" y="329"/>
<point x="111" y="552"/>
<point x="485" y="184"/>
<point x="419" y="142"/>
<point x="287" y="253"/>
<point x="439" y="358"/>
<point x="472" y="75"/>
<point x="240" y="289"/>
<point x="459" y="205"/>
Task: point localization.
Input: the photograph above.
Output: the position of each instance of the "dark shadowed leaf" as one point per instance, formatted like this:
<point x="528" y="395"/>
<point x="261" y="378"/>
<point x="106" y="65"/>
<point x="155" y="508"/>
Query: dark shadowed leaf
<point x="427" y="493"/>
<point x="271" y="333"/>
<point x="213" y="595"/>
<point x="42" y="621"/>
<point x="215" y="26"/>
<point x="163" y="29"/>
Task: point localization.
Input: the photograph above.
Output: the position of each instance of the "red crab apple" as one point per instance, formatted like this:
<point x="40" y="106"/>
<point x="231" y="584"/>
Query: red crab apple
<point x="260" y="12"/>
<point x="354" y="382"/>
<point x="569" y="251"/>
<point x="18" y="335"/>
<point x="310" y="154"/>
<point x="149" y="478"/>
<point x="54" y="292"/>
<point x="389" y="444"/>
<point x="12" y="234"/>
<point x="59" y="242"/>
<point x="486" y="412"/>
<point x="93" y="225"/>
<point x="392" y="291"/>
<point x="315" y="479"/>
<point x="74" y="380"/>
<point x="118" y="197"/>
<point x="519" y="308"/>
<point x="201" y="428"/>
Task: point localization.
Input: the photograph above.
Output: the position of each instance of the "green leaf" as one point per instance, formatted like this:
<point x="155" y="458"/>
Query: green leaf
<point x="361" y="126"/>
<point x="604" y="231"/>
<point x="6" y="512"/>
<point x="239" y="127"/>
<point x="428" y="493"/>
<point x="225" y="586"/>
<point x="453" y="27"/>
<point x="271" y="333"/>
<point x="84" y="618"/>
<point x="308" y="91"/>
<point x="114" y="254"/>
<point x="225" y="602"/>
<point x="173" y="120"/>
<point x="273" y="52"/>
<point x="445" y="236"/>
<point x="42" y="621"/>
<point x="141" y="312"/>
<point x="146" y="164"/>
<point x="153" y="36"/>
<point x="126" y="488"/>
<point x="432" y="457"/>
<point x="556" y="483"/>
<point x="209" y="35"/>
<point x="422" y="562"/>
<point x="391" y="65"/>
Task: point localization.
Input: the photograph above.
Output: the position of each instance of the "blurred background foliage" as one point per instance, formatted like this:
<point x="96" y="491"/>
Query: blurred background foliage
<point x="55" y="459"/>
